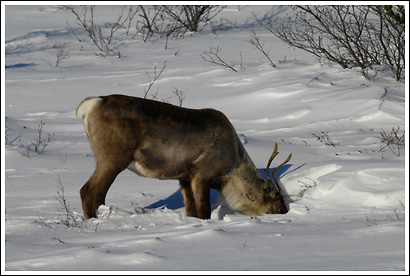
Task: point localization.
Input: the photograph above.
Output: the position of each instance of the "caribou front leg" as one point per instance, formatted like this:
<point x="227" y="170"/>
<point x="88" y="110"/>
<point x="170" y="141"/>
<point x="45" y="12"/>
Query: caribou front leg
<point x="189" y="199"/>
<point x="201" y="190"/>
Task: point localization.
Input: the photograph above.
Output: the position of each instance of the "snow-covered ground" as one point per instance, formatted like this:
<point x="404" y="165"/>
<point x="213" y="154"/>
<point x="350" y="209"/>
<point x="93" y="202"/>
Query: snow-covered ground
<point x="347" y="202"/>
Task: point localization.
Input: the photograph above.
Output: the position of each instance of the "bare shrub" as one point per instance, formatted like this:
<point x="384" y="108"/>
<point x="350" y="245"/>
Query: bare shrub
<point x="393" y="140"/>
<point x="180" y="95"/>
<point x="169" y="21"/>
<point x="193" y="18"/>
<point x="103" y="40"/>
<point x="67" y="216"/>
<point x="62" y="54"/>
<point x="368" y="37"/>
<point x="150" y="21"/>
<point x="9" y="141"/>
<point x="174" y="21"/>
<point x="39" y="143"/>
<point x="325" y="139"/>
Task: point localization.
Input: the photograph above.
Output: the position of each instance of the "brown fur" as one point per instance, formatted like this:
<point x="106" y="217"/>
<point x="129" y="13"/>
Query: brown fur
<point x="200" y="148"/>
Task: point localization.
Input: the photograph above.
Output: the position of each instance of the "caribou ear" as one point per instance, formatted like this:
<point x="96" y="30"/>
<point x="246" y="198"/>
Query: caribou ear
<point x="274" y="181"/>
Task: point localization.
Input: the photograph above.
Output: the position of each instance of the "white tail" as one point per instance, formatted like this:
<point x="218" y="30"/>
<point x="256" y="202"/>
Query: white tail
<point x="200" y="148"/>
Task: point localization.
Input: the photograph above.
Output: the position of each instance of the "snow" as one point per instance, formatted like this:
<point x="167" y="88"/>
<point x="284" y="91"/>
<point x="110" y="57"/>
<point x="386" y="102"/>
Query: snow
<point x="348" y="203"/>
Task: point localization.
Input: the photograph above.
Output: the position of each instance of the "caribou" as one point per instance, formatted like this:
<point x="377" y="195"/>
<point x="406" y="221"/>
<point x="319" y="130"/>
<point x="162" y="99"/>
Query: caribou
<point x="198" y="147"/>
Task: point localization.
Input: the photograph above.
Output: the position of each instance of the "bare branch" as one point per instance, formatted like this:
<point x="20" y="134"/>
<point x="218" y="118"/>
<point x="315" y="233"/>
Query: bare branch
<point x="156" y="76"/>
<point x="255" y="41"/>
<point x="213" y="57"/>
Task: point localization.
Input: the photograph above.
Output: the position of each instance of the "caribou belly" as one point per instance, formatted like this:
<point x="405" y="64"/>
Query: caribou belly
<point x="141" y="170"/>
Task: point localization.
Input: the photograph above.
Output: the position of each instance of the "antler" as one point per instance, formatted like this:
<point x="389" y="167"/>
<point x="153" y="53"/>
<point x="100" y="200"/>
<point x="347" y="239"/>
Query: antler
<point x="275" y="181"/>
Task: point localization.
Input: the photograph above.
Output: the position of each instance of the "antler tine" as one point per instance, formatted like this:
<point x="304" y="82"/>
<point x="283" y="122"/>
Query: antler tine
<point x="273" y="173"/>
<point x="274" y="153"/>
<point x="275" y="181"/>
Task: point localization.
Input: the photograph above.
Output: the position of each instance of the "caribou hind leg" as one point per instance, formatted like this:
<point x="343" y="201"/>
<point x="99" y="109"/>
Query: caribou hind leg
<point x="93" y="193"/>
